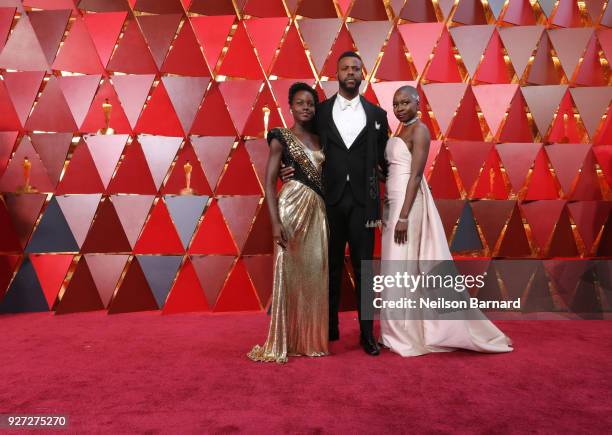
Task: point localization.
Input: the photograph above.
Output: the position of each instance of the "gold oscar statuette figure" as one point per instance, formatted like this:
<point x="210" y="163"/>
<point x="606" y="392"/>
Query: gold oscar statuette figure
<point x="565" y="138"/>
<point x="491" y="194"/>
<point x="187" y="190"/>
<point x="27" y="168"/>
<point x="266" y="119"/>
<point x="107" y="109"/>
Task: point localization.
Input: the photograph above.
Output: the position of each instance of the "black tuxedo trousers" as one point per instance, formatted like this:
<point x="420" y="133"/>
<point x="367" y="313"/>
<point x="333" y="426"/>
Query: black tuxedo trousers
<point x="346" y="219"/>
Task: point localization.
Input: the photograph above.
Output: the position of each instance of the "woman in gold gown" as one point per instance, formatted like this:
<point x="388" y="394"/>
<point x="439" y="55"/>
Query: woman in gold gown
<point x="299" y="313"/>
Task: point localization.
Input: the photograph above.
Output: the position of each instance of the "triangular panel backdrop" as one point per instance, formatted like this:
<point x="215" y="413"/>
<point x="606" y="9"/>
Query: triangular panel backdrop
<point x="516" y="94"/>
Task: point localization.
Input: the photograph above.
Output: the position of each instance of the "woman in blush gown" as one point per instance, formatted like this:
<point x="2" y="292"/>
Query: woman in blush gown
<point x="300" y="311"/>
<point x="413" y="234"/>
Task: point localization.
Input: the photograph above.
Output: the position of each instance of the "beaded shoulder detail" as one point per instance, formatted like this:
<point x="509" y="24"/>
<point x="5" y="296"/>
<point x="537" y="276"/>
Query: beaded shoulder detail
<point x="295" y="155"/>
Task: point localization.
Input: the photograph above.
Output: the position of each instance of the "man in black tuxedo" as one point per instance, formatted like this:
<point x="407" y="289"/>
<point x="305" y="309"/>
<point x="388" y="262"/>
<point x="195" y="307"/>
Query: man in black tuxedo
<point x="353" y="133"/>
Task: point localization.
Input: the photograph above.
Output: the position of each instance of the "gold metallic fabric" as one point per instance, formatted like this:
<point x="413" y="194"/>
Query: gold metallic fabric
<point x="300" y="312"/>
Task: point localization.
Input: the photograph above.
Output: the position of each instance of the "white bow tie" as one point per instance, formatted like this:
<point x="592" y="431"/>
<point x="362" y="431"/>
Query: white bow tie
<point x="345" y="104"/>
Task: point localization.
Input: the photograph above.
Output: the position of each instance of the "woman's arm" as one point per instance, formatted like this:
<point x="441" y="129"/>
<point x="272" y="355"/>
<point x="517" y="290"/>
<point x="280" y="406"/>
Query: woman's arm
<point x="272" y="167"/>
<point x="420" y="150"/>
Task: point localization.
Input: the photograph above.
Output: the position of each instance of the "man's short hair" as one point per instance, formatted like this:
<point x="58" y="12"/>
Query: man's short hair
<point x="349" y="54"/>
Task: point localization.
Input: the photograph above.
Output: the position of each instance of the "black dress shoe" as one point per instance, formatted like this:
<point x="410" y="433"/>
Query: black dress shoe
<point x="334" y="335"/>
<point x="369" y="346"/>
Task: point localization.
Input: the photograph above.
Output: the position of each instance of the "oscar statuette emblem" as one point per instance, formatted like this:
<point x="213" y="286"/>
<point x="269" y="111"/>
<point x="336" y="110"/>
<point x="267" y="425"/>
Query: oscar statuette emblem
<point x="187" y="190"/>
<point x="266" y="119"/>
<point x="27" y="168"/>
<point x="107" y="109"/>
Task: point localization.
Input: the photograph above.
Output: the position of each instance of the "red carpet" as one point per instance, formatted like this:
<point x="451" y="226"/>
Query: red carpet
<point x="189" y="374"/>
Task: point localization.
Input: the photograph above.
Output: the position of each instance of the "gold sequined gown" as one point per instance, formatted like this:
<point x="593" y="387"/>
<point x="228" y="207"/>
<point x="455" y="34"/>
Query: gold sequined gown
<point x="299" y="312"/>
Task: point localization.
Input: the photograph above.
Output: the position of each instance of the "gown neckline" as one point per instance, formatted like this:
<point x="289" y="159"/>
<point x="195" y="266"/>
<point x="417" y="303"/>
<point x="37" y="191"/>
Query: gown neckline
<point x="309" y="153"/>
<point x="302" y="144"/>
<point x="404" y="142"/>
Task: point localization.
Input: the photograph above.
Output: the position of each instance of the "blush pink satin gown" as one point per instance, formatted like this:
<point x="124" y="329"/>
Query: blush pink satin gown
<point x="426" y="241"/>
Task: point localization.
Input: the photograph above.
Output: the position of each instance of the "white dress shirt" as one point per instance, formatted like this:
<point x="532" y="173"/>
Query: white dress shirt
<point x="349" y="117"/>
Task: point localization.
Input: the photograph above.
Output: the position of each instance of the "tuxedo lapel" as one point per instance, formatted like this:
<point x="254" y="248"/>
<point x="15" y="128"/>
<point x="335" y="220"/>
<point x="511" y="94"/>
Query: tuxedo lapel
<point x="369" y="119"/>
<point x="369" y="111"/>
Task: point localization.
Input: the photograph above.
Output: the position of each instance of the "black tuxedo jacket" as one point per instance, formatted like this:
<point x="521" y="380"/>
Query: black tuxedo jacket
<point x="341" y="161"/>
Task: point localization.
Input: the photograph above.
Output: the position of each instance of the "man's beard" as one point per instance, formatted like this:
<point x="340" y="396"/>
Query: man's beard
<point x="355" y="88"/>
